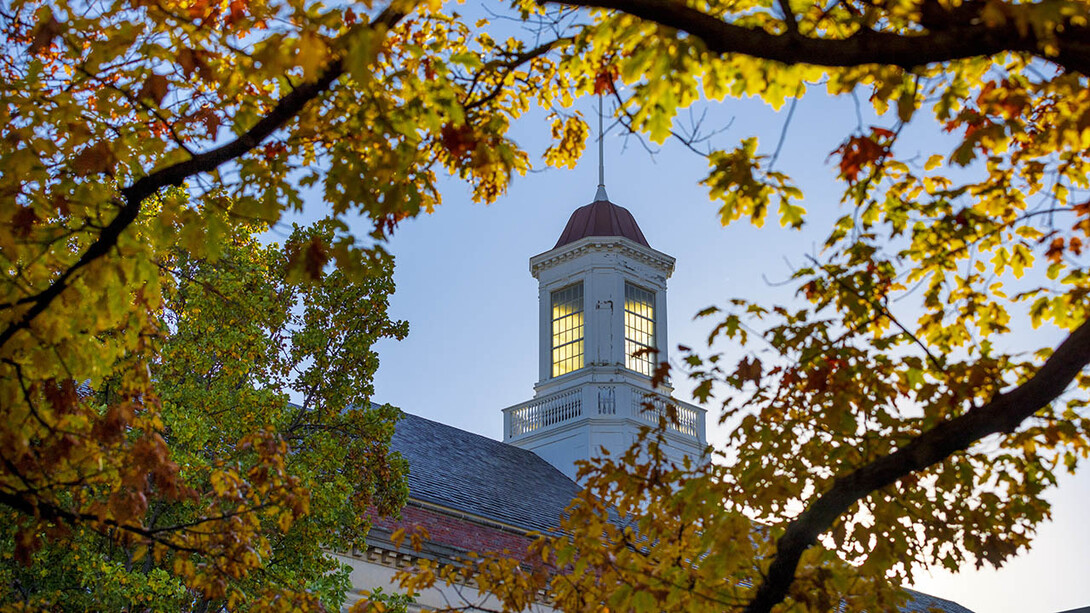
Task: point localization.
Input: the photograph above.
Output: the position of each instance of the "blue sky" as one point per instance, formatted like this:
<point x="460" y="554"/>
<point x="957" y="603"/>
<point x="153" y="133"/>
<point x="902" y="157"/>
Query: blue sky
<point x="464" y="285"/>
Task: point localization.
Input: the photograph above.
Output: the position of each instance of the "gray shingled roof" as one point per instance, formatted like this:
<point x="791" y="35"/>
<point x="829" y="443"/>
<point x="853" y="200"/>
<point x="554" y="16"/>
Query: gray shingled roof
<point x="922" y="603"/>
<point x="480" y="476"/>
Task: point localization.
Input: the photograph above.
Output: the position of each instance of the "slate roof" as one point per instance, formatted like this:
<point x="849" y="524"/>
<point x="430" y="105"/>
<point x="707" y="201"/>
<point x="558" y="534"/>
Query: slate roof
<point x="923" y="603"/>
<point x="480" y="476"/>
<point x="601" y="218"/>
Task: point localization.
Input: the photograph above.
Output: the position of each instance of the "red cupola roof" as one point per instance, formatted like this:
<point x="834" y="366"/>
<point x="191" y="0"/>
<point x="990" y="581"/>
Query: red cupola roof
<point x="601" y="218"/>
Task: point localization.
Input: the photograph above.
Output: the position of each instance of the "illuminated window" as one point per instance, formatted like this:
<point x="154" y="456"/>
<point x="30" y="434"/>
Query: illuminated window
<point x="639" y="328"/>
<point x="567" y="329"/>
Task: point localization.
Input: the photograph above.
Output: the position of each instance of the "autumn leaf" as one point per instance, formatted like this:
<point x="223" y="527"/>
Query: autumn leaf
<point x="749" y="370"/>
<point x="23" y="221"/>
<point x="189" y="60"/>
<point x="570" y="137"/>
<point x="210" y="120"/>
<point x="603" y="80"/>
<point x="96" y="159"/>
<point x="147" y="287"/>
<point x="46" y="30"/>
<point x="317" y="256"/>
<point x="856" y="153"/>
<point x="459" y="140"/>
<point x="154" y="89"/>
<point x="1055" y="250"/>
<point x="311" y="54"/>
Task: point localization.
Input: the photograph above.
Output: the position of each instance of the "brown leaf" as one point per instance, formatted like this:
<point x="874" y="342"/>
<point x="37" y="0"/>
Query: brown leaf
<point x="26" y="543"/>
<point x="62" y="396"/>
<point x="661" y="374"/>
<point x="194" y="60"/>
<point x="45" y="33"/>
<point x="210" y="119"/>
<point x="856" y="153"/>
<point x="95" y="159"/>
<point x="60" y="205"/>
<point x="188" y="60"/>
<point x="128" y="504"/>
<point x="458" y="139"/>
<point x="749" y="370"/>
<point x="237" y="12"/>
<point x="316" y="258"/>
<point x="154" y="89"/>
<point x="23" y="221"/>
<point x="110" y="428"/>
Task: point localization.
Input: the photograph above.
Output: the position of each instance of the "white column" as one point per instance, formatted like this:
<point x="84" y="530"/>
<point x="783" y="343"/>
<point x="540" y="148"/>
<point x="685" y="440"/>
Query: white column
<point x="616" y="323"/>
<point x="662" y="342"/>
<point x="597" y="317"/>
<point x="545" y="336"/>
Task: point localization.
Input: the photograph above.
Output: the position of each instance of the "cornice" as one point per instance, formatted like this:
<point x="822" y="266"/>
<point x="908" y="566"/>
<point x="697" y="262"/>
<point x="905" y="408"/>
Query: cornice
<point x="619" y="244"/>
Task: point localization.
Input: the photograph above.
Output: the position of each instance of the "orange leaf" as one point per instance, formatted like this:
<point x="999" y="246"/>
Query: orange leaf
<point x="1055" y="250"/>
<point x="1075" y="245"/>
<point x="603" y="81"/>
<point x="857" y="153"/>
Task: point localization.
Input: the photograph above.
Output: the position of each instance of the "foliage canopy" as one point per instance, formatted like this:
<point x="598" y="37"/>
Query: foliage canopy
<point x="138" y="136"/>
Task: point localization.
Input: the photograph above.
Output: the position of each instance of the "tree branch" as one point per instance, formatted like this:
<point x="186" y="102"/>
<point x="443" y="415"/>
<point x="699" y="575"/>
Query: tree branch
<point x="961" y="40"/>
<point x="133" y="196"/>
<point x="1004" y="413"/>
<point x="50" y="512"/>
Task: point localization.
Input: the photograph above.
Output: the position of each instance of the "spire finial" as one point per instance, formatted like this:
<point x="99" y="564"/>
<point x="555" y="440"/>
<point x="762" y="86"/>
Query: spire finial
<point x="601" y="194"/>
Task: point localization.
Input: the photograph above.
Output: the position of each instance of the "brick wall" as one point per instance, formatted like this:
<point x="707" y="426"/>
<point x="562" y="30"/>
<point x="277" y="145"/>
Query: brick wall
<point x="451" y="531"/>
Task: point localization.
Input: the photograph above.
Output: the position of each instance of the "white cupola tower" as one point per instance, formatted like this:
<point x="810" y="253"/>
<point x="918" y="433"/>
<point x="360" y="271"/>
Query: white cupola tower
<point x="602" y="293"/>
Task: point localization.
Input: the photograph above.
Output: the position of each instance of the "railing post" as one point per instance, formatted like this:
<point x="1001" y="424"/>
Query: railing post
<point x="588" y="398"/>
<point x="625" y="402"/>
<point x="507" y="433"/>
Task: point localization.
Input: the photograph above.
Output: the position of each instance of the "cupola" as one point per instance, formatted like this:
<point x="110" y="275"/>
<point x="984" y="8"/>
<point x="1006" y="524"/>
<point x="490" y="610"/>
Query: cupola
<point x="602" y="314"/>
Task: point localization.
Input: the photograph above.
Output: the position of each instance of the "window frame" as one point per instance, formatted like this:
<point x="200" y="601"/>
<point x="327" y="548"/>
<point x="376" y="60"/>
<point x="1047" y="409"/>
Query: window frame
<point x="568" y="332"/>
<point x="645" y="363"/>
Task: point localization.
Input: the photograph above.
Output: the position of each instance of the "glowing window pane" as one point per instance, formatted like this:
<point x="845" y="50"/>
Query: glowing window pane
<point x="639" y="329"/>
<point x="567" y="309"/>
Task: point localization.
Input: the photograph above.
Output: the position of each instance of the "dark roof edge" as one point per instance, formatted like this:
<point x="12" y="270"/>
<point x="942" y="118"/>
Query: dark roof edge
<point x="469" y="516"/>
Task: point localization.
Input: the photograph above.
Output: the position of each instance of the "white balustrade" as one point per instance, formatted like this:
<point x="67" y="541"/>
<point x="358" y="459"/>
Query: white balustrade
<point x="542" y="413"/>
<point x="602" y="400"/>
<point x="683" y="420"/>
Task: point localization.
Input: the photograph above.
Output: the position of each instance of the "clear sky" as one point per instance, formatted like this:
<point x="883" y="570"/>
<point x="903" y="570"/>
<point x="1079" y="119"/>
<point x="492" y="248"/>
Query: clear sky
<point x="464" y="285"/>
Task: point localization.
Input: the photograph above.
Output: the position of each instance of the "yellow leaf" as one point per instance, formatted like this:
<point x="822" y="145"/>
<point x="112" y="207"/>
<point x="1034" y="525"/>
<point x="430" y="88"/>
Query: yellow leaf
<point x="311" y="53"/>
